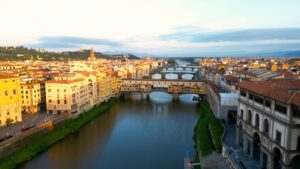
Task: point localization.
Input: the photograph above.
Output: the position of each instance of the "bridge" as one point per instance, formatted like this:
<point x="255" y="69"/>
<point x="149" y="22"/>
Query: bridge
<point x="171" y="86"/>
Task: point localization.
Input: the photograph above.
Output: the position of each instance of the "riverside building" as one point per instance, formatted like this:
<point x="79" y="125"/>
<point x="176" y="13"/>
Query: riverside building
<point x="269" y="122"/>
<point x="10" y="100"/>
<point x="31" y="94"/>
<point x="68" y="94"/>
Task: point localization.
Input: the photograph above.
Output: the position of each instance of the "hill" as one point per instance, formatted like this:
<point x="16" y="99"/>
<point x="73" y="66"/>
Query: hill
<point x="23" y="53"/>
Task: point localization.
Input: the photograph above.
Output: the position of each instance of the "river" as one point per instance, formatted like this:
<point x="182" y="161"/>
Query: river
<point x="133" y="134"/>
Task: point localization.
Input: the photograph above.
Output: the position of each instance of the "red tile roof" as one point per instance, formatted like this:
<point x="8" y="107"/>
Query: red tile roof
<point x="65" y="81"/>
<point x="284" y="90"/>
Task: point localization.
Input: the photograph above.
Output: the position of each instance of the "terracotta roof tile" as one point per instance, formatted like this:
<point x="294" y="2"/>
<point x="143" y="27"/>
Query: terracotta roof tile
<point x="284" y="90"/>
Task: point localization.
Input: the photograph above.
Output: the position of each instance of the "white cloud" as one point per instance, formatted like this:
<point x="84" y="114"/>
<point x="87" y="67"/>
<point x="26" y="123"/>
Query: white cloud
<point x="136" y="23"/>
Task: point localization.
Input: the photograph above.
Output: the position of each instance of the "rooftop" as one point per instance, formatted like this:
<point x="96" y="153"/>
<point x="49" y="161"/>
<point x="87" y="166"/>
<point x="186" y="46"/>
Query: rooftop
<point x="283" y="90"/>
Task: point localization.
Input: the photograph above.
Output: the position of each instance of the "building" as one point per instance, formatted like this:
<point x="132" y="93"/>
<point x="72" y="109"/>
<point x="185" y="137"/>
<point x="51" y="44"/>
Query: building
<point x="223" y="105"/>
<point x="32" y="96"/>
<point x="274" y="67"/>
<point x="115" y="85"/>
<point x="10" y="100"/>
<point x="91" y="81"/>
<point x="269" y="122"/>
<point x="67" y="93"/>
<point x="104" y="89"/>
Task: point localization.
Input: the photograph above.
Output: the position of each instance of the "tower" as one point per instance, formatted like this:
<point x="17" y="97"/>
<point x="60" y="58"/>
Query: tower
<point x="92" y="55"/>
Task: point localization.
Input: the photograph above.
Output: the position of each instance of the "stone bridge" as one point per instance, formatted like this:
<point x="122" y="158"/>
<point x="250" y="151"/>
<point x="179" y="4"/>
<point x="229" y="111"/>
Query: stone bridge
<point x="172" y="86"/>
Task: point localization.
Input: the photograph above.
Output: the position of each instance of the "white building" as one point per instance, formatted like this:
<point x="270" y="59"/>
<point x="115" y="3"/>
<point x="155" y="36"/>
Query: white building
<point x="269" y="122"/>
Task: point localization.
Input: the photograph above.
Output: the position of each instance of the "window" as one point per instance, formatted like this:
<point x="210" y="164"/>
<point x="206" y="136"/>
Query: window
<point x="243" y="93"/>
<point x="268" y="103"/>
<point x="14" y="91"/>
<point x="6" y="92"/>
<point x="266" y="126"/>
<point x="65" y="90"/>
<point x="50" y="101"/>
<point x="49" y="90"/>
<point x="65" y="101"/>
<point x="251" y="96"/>
<point x="57" y="90"/>
<point x="296" y="111"/>
<point x="257" y="121"/>
<point x="298" y="144"/>
<point x="280" y="107"/>
<point x="58" y="101"/>
<point x="278" y="137"/>
<point x="242" y="113"/>
<point x="249" y="116"/>
<point x="259" y="99"/>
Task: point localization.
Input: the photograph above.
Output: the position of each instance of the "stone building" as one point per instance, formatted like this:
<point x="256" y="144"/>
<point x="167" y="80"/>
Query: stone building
<point x="269" y="122"/>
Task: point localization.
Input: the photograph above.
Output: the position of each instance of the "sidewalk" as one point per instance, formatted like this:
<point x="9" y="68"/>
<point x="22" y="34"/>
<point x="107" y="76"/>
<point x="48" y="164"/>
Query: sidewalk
<point x="236" y="152"/>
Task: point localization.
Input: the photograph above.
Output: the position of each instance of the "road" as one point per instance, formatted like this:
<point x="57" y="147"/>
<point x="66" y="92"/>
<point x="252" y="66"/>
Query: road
<point x="29" y="120"/>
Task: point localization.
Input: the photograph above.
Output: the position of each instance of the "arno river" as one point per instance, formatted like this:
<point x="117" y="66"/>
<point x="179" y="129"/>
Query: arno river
<point x="133" y="134"/>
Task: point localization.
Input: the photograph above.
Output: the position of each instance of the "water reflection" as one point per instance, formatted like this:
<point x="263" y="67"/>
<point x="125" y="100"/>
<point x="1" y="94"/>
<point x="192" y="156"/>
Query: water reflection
<point x="189" y="98"/>
<point x="132" y="134"/>
<point x="160" y="98"/>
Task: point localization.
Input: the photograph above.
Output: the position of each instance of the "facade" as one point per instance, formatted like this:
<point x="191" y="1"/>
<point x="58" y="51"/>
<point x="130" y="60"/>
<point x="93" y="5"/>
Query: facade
<point x="91" y="81"/>
<point x="115" y="85"/>
<point x="10" y="100"/>
<point x="223" y="105"/>
<point x="104" y="89"/>
<point x="67" y="94"/>
<point x="269" y="122"/>
<point x="31" y="94"/>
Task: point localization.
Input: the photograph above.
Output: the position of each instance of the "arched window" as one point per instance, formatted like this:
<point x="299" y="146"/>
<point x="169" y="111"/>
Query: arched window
<point x="257" y="121"/>
<point x="242" y="114"/>
<point x="249" y="116"/>
<point x="266" y="126"/>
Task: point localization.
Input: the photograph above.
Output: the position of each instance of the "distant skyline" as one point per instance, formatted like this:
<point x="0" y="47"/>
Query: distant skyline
<point x="156" y="27"/>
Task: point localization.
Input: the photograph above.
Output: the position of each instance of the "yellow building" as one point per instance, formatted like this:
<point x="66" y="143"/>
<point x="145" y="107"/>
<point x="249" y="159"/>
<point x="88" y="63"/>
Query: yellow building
<point x="255" y="65"/>
<point x="10" y="100"/>
<point x="31" y="96"/>
<point x="274" y="67"/>
<point x="67" y="94"/>
<point x="115" y="85"/>
<point x="104" y="87"/>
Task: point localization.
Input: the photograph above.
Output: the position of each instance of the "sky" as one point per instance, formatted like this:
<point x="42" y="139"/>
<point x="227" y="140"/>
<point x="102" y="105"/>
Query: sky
<point x="154" y="27"/>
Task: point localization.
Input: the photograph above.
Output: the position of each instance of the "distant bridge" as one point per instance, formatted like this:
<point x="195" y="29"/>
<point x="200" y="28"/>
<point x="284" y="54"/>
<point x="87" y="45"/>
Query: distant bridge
<point x="172" y="86"/>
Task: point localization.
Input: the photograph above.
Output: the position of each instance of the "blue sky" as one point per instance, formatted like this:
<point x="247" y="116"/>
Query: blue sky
<point x="156" y="27"/>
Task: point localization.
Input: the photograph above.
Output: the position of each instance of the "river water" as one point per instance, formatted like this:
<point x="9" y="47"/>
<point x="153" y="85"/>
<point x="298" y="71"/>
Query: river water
<point x="133" y="134"/>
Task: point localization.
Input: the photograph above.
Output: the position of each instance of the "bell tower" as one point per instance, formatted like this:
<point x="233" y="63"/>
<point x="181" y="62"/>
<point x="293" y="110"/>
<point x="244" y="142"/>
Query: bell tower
<point x="92" y="55"/>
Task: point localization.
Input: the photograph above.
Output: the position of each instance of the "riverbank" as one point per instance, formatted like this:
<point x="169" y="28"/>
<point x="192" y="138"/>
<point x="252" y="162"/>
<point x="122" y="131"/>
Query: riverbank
<point x="207" y="132"/>
<point x="43" y="142"/>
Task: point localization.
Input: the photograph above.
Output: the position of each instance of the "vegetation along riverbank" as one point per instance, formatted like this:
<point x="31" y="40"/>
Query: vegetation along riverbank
<point x="207" y="132"/>
<point x="44" y="141"/>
